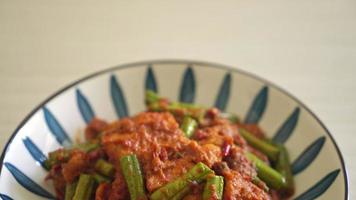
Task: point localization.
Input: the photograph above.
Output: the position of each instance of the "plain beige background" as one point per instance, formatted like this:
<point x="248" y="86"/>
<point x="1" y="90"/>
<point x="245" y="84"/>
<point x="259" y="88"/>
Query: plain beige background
<point x="306" y="47"/>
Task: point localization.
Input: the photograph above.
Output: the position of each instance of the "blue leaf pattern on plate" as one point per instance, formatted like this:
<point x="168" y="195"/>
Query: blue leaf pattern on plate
<point x="35" y="152"/>
<point x="308" y="155"/>
<point x="118" y="98"/>
<point x="224" y="93"/>
<point x="84" y="107"/>
<point x="27" y="183"/>
<point x="287" y="128"/>
<point x="150" y="83"/>
<point x="257" y="107"/>
<point x="320" y="187"/>
<point x="187" y="89"/>
<point x="56" y="128"/>
<point x="5" y="197"/>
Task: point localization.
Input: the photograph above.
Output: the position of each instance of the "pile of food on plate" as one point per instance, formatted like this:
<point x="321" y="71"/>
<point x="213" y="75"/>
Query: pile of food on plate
<point x="172" y="151"/>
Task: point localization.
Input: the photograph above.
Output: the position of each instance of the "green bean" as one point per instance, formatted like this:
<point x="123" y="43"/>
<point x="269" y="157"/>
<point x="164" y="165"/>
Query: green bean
<point x="70" y="190"/>
<point x="231" y="117"/>
<point x="257" y="181"/>
<point x="283" y="166"/>
<point x="193" y="110"/>
<point x="105" y="168"/>
<point x="56" y="157"/>
<point x="270" y="176"/>
<point x="197" y="173"/>
<point x="188" y="126"/>
<point x="155" y="107"/>
<point x="214" y="188"/>
<point x="86" y="147"/>
<point x="133" y="176"/>
<point x="151" y="97"/>
<point x="84" y="188"/>
<point x="181" y="194"/>
<point x="47" y="164"/>
<point x="100" y="179"/>
<point x="181" y="105"/>
<point x="63" y="155"/>
<point x="270" y="150"/>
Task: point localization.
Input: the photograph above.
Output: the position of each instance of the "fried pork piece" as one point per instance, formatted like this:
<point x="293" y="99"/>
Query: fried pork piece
<point x="196" y="192"/>
<point x="213" y="125"/>
<point x="103" y="191"/>
<point x="163" y="150"/>
<point x="119" y="189"/>
<point x="162" y="169"/>
<point x="220" y="134"/>
<point x="77" y="164"/>
<point x="237" y="161"/>
<point x="140" y="134"/>
<point x="59" y="183"/>
<point x="158" y="176"/>
<point x="236" y="187"/>
<point x="94" y="128"/>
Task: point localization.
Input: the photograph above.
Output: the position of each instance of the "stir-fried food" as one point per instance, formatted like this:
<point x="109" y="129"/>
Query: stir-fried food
<point x="172" y="151"/>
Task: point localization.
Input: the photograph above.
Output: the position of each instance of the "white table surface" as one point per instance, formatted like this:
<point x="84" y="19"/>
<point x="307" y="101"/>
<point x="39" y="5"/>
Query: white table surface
<point x="307" y="47"/>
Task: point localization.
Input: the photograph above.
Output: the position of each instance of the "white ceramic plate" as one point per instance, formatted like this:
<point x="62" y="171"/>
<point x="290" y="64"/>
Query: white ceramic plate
<point x="119" y="91"/>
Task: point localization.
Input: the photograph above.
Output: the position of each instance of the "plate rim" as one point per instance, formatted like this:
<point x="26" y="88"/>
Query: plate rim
<point x="177" y="61"/>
